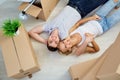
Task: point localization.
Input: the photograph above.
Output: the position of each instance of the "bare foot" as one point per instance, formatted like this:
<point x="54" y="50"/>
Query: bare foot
<point x="115" y="0"/>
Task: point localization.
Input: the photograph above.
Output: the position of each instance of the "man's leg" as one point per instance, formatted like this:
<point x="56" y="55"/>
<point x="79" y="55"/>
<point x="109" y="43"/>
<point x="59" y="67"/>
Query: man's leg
<point x="107" y="7"/>
<point x="113" y="19"/>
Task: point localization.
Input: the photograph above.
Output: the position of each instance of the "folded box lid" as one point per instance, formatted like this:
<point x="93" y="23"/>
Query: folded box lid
<point x="25" y="52"/>
<point x="77" y="71"/>
<point x="11" y="62"/>
<point x="118" y="70"/>
<point x="112" y="61"/>
<point x="32" y="10"/>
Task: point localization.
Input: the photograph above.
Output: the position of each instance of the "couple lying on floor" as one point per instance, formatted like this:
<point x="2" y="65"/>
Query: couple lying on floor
<point x="68" y="32"/>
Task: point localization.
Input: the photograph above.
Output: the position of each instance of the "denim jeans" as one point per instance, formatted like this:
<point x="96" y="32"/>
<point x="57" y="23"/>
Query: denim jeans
<point x="85" y="6"/>
<point x="108" y="21"/>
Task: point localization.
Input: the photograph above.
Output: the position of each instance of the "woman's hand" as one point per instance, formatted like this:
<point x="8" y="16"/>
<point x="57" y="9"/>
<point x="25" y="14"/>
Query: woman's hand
<point x="89" y="37"/>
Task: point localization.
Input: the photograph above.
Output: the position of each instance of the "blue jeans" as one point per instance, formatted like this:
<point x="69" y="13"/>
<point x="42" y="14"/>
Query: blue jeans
<point x="108" y="21"/>
<point x="85" y="6"/>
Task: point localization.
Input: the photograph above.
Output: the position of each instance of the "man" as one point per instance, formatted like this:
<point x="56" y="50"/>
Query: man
<point x="59" y="27"/>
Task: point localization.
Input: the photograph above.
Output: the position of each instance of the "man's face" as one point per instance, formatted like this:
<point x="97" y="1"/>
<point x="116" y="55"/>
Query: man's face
<point x="53" y="40"/>
<point x="65" y="45"/>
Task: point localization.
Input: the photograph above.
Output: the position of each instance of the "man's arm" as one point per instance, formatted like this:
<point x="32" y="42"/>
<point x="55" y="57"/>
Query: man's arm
<point x="82" y="21"/>
<point x="34" y="33"/>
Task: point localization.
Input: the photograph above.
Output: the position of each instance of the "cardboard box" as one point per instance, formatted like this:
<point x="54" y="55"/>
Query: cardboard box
<point x="18" y="54"/>
<point x="78" y="71"/>
<point x="91" y="74"/>
<point x="90" y="69"/>
<point x="87" y="70"/>
<point x="110" y="70"/>
<point x="42" y="12"/>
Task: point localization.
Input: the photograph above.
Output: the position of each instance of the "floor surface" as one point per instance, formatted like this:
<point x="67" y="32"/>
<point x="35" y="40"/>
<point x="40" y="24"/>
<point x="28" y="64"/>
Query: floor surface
<point x="53" y="65"/>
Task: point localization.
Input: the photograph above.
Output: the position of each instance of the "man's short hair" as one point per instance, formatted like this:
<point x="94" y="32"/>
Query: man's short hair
<point x="51" y="48"/>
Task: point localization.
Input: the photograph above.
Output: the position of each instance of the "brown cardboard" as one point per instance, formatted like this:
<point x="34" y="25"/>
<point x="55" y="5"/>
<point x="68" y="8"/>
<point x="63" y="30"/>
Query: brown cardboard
<point x="87" y="70"/>
<point x="30" y="10"/>
<point x="18" y="54"/>
<point x="118" y="69"/>
<point x="48" y="6"/>
<point x="9" y="55"/>
<point x="81" y="72"/>
<point x="91" y="75"/>
<point x="37" y="12"/>
<point x="110" y="69"/>
<point x="78" y="71"/>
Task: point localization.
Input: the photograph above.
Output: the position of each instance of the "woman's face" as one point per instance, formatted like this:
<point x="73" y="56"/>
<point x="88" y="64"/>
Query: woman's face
<point x="65" y="45"/>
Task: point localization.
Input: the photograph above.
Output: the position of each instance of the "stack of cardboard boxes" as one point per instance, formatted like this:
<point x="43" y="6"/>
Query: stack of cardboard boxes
<point x="110" y="69"/>
<point x="19" y="56"/>
<point x="106" y="67"/>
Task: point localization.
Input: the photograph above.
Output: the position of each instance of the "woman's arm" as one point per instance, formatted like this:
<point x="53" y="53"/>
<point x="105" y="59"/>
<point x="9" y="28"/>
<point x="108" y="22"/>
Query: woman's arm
<point x="82" y="48"/>
<point x="82" y="21"/>
<point x="35" y="33"/>
<point x="85" y="47"/>
<point x="94" y="48"/>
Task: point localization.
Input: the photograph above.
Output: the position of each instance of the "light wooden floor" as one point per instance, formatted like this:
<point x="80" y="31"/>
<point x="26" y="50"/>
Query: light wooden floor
<point x="53" y="65"/>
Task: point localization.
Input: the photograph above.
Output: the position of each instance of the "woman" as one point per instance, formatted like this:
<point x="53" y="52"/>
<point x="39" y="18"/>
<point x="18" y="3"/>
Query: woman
<point x="94" y="26"/>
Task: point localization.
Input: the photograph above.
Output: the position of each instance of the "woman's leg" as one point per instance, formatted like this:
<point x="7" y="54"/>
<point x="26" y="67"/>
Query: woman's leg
<point x="104" y="11"/>
<point x="106" y="8"/>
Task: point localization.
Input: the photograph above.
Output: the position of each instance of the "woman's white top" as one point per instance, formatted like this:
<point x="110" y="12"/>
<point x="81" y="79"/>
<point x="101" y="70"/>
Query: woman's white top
<point x="92" y="27"/>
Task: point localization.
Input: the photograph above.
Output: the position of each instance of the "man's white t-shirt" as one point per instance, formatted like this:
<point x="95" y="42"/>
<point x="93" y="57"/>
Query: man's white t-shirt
<point x="64" y="21"/>
<point x="92" y="27"/>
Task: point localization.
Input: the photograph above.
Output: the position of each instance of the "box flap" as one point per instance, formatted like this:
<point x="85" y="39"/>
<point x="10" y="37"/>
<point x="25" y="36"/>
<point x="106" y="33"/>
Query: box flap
<point x="112" y="61"/>
<point x="118" y="70"/>
<point x="91" y="75"/>
<point x="9" y="55"/>
<point x="25" y="50"/>
<point x="33" y="10"/>
<point x="48" y="6"/>
<point x="77" y="71"/>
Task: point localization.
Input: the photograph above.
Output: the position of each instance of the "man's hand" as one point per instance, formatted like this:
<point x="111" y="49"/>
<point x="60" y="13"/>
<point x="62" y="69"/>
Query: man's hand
<point x="95" y="17"/>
